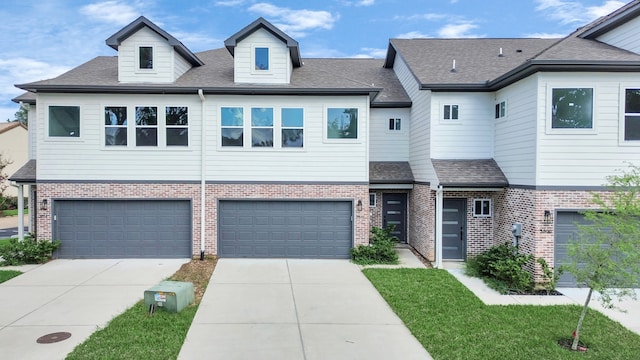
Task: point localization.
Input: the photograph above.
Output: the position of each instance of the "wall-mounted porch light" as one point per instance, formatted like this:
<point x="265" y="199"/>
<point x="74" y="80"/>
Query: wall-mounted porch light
<point x="359" y="206"/>
<point x="44" y="204"/>
<point x="547" y="216"/>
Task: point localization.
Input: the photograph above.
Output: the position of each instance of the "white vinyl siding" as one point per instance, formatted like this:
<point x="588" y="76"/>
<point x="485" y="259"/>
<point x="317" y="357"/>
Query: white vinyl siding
<point x="163" y="59"/>
<point x="317" y="161"/>
<point x="280" y="65"/>
<point x="515" y="139"/>
<point x="574" y="159"/>
<point x="385" y="144"/>
<point x="468" y="137"/>
<point x="420" y="132"/>
<point x="624" y="36"/>
<point x="180" y="66"/>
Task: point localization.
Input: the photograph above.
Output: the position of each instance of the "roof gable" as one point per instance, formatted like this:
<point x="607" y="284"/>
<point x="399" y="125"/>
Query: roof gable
<point x="609" y="22"/>
<point x="261" y="23"/>
<point x="116" y="39"/>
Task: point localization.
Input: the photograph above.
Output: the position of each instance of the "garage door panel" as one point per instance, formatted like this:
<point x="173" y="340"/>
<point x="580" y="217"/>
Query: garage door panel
<point x="285" y="229"/>
<point x="123" y="228"/>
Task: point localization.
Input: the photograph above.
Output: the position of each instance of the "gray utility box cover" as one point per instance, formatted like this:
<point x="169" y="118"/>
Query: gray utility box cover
<point x="171" y="295"/>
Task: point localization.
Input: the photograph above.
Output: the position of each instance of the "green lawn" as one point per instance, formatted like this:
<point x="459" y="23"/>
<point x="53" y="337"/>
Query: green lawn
<point x="136" y="335"/>
<point x="452" y="323"/>
<point x="8" y="274"/>
<point x="14" y="212"/>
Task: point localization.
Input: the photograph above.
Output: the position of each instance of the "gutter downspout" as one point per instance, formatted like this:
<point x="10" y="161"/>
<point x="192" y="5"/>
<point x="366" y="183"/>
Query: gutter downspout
<point x="439" y="204"/>
<point x="203" y="168"/>
<point x="20" y="211"/>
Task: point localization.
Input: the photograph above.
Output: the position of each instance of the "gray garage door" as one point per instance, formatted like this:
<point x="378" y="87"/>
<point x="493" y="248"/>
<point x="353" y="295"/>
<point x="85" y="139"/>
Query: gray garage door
<point x="285" y="229"/>
<point x="110" y="229"/>
<point x="566" y="230"/>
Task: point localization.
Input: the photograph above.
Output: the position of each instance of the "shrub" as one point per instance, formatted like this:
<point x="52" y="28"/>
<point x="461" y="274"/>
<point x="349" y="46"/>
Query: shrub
<point x="506" y="265"/>
<point x="380" y="250"/>
<point x="549" y="275"/>
<point x="28" y="251"/>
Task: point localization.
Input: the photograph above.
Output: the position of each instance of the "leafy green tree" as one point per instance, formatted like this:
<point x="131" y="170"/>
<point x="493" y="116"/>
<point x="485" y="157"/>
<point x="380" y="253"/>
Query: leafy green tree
<point x="3" y="184"/>
<point x="605" y="256"/>
<point x="22" y="116"/>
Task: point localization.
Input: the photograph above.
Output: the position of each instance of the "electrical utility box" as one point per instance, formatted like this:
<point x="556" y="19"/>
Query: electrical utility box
<point x="170" y="295"/>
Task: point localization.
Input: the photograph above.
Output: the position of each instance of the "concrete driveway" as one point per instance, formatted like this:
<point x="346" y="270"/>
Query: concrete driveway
<point x="75" y="296"/>
<point x="296" y="309"/>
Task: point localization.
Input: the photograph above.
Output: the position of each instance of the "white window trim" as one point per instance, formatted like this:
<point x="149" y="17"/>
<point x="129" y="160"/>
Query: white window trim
<point x="255" y="71"/>
<point x="375" y="199"/>
<point x="63" y="138"/>
<point x="276" y="137"/>
<point x="622" y="123"/>
<point x="549" y="130"/>
<point x="442" y="113"/>
<point x="278" y="124"/>
<point x="154" y="53"/>
<point x="165" y="127"/>
<point x="482" y="215"/>
<point x="506" y="110"/>
<point x="325" y="121"/>
<point x="402" y="125"/>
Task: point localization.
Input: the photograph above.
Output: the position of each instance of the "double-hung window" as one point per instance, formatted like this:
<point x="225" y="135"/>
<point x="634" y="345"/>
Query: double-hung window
<point x="115" y="126"/>
<point x="261" y="127"/>
<point x="177" y="125"/>
<point x="232" y="130"/>
<point x="632" y="115"/>
<point x="146" y="126"/>
<point x="292" y="120"/>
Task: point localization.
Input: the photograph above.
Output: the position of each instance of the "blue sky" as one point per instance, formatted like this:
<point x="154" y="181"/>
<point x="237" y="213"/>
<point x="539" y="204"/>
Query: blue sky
<point x="42" y="39"/>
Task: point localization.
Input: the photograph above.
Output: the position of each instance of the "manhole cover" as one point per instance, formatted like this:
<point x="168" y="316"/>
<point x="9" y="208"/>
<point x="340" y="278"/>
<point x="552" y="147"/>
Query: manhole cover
<point x="53" y="338"/>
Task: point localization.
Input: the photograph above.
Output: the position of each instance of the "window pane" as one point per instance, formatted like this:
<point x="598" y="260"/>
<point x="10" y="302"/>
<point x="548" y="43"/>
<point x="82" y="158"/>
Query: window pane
<point x="177" y="137"/>
<point x="497" y="111"/>
<point x="503" y="109"/>
<point x="447" y="112"/>
<point x="454" y="112"/>
<point x="261" y="117"/>
<point x="261" y="137"/>
<point x="292" y="137"/>
<point x="632" y="127"/>
<point x="392" y="124"/>
<point x="262" y="59"/>
<point x="64" y="121"/>
<point x="486" y="209"/>
<point x="477" y="207"/>
<point x="572" y="108"/>
<point x="146" y="57"/>
<point x="398" y="122"/>
<point x="115" y="136"/>
<point x="115" y="115"/>
<point x="146" y="115"/>
<point x="146" y="136"/>
<point x="342" y="123"/>
<point x="232" y="116"/>
<point x="232" y="137"/>
<point x="177" y="116"/>
<point x="115" y="121"/>
<point x="632" y="101"/>
<point x="292" y="118"/>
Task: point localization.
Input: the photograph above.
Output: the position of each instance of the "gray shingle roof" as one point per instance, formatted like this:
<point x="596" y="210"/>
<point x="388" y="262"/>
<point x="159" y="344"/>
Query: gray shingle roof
<point x="390" y="172"/>
<point x="469" y="173"/>
<point x="27" y="98"/>
<point x="27" y="173"/>
<point x="608" y="22"/>
<point x="317" y="76"/>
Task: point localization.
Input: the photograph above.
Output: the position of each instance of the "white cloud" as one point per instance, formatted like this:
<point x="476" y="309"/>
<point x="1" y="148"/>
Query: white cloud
<point x="197" y="41"/>
<point x="545" y="35"/>
<point x="295" y="22"/>
<point x="420" y="17"/>
<point x="365" y="2"/>
<point x="229" y="3"/>
<point x="113" y="12"/>
<point x="573" y="12"/>
<point x="458" y="30"/>
<point x="371" y="53"/>
<point x="412" y="35"/>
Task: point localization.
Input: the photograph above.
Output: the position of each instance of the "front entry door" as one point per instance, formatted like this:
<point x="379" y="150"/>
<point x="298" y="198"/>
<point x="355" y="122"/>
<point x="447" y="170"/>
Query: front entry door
<point x="454" y="229"/>
<point x="394" y="212"/>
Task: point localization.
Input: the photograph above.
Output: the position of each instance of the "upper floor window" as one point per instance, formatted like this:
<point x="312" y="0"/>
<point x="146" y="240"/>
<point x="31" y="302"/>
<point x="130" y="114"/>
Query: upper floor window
<point x="146" y="126"/>
<point x="232" y="121"/>
<point x="501" y="109"/>
<point x="145" y="57"/>
<point x="450" y="112"/>
<point x="261" y="127"/>
<point x="572" y="108"/>
<point x="115" y="123"/>
<point x="482" y="207"/>
<point x="632" y="114"/>
<point x="261" y="58"/>
<point x="342" y="123"/>
<point x="292" y="127"/>
<point x="64" y="121"/>
<point x="395" y="124"/>
<point x="177" y="123"/>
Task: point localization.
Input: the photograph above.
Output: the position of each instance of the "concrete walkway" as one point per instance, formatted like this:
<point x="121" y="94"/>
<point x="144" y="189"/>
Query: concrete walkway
<point x="296" y="309"/>
<point x="75" y="296"/>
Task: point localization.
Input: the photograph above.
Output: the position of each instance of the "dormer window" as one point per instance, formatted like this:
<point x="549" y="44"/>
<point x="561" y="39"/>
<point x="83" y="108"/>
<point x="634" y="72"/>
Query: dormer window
<point x="146" y="57"/>
<point x="261" y="58"/>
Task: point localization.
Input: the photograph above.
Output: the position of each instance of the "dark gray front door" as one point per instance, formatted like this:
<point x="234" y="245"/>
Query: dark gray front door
<point x="394" y="212"/>
<point x="454" y="229"/>
<point x="285" y="229"/>
<point x="113" y="229"/>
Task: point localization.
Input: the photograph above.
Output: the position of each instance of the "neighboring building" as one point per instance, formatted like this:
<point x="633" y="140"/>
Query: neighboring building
<point x="252" y="151"/>
<point x="14" y="146"/>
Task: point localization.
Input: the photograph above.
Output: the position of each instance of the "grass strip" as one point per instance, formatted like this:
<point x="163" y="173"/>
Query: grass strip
<point x="452" y="323"/>
<point x="8" y="274"/>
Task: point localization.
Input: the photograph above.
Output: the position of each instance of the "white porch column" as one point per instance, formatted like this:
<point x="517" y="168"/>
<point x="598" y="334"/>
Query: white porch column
<point x="20" y="212"/>
<point x="439" y="204"/>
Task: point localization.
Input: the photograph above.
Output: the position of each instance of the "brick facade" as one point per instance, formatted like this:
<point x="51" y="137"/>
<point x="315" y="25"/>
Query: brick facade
<point x="422" y="220"/>
<point x="214" y="192"/>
